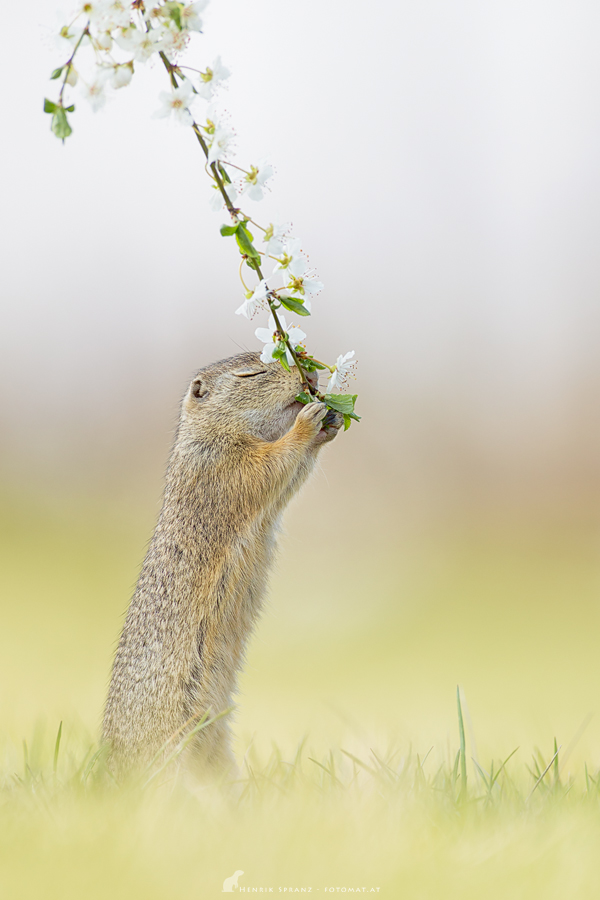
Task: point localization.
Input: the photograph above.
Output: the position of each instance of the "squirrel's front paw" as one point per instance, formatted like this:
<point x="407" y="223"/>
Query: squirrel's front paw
<point x="331" y="424"/>
<point x="310" y="417"/>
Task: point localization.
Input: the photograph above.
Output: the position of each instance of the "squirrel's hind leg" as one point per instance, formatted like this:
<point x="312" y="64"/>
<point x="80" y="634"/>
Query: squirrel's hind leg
<point x="209" y="758"/>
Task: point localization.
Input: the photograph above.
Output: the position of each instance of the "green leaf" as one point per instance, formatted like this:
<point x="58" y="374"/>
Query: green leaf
<point x="60" y="125"/>
<point x="228" y="230"/>
<point x="49" y="106"/>
<point x="175" y="13"/>
<point x="244" y="240"/>
<point x="311" y="364"/>
<point x="248" y="232"/>
<point x="70" y="108"/>
<point x="279" y="353"/>
<point x="223" y="174"/>
<point x="347" y="421"/>
<point x="303" y="398"/>
<point x="56" y="74"/>
<point x="343" y="403"/>
<point x="294" y="306"/>
<point x="279" y="350"/>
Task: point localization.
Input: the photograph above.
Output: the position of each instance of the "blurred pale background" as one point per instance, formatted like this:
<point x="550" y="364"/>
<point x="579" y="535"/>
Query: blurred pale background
<point x="440" y="162"/>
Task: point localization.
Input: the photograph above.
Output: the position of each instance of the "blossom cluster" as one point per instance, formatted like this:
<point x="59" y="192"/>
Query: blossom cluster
<point x="125" y="35"/>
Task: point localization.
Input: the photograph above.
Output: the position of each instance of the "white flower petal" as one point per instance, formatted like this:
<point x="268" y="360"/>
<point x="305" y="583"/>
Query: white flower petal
<point x="216" y="200"/>
<point x="121" y="76"/>
<point x="333" y="382"/>
<point x="267" y="354"/>
<point x="297" y="266"/>
<point x="264" y="335"/>
<point x="254" y="191"/>
<point x="296" y="335"/>
<point x="311" y="285"/>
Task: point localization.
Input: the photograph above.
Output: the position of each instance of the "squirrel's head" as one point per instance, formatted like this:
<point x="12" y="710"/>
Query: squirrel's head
<point x="245" y="396"/>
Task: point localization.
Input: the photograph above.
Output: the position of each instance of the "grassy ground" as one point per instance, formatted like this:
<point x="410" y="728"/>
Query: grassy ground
<point x="401" y="824"/>
<point x="352" y="774"/>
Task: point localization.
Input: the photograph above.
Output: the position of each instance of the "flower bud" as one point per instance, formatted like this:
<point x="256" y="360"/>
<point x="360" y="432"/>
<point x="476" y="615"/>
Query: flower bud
<point x="122" y="75"/>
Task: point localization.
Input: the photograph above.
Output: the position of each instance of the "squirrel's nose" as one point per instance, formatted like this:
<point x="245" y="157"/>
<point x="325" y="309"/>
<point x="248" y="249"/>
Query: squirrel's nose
<point x="313" y="379"/>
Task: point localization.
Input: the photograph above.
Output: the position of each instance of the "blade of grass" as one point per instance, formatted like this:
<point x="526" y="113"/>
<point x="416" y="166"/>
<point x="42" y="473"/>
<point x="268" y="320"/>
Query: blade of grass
<point x="421" y="763"/>
<point x="203" y="723"/>
<point x="57" y="749"/>
<point x="332" y="775"/>
<point x="540" y="779"/>
<point x="88" y="769"/>
<point x="510" y="755"/>
<point x="556" y="773"/>
<point x="455" y="768"/>
<point x="358" y="761"/>
<point x="463" y="755"/>
<point x="384" y="767"/>
<point x="485" y="777"/>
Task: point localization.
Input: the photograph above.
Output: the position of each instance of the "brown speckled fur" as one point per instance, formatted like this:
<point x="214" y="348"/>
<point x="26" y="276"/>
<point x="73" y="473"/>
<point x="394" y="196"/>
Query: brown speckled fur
<point x="243" y="448"/>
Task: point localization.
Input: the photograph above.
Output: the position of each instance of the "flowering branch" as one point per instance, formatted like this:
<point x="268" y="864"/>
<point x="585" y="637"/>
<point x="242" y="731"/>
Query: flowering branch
<point x="143" y="30"/>
<point x="234" y="213"/>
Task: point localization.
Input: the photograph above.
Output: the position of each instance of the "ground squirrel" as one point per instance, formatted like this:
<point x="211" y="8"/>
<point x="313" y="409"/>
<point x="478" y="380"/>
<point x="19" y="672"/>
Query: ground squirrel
<point x="243" y="447"/>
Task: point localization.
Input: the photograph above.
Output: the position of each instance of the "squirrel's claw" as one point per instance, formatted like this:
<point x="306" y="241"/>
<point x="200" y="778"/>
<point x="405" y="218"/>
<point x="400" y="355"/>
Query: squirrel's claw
<point x="331" y="424"/>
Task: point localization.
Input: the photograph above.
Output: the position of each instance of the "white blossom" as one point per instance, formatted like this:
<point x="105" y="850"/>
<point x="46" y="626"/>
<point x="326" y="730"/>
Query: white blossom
<point x="255" y="301"/>
<point x="305" y="284"/>
<point x="302" y="281"/>
<point x="221" y="139"/>
<point x="141" y="43"/>
<point x="341" y="372"/>
<point x="93" y="92"/>
<point x="122" y="75"/>
<point x="72" y="76"/>
<point x="67" y="37"/>
<point x="118" y="14"/>
<point x="211" y="79"/>
<point x="190" y="15"/>
<point x="269" y="337"/>
<point x="291" y="258"/>
<point x="174" y="41"/>
<point x="217" y="201"/>
<point x="254" y="181"/>
<point x="177" y="102"/>
<point x="231" y="191"/>
<point x="275" y="237"/>
<point x="104" y="40"/>
<point x="95" y="10"/>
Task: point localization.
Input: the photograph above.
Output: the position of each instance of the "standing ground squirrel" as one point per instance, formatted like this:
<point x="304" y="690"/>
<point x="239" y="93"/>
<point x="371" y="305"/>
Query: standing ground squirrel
<point x="244" y="446"/>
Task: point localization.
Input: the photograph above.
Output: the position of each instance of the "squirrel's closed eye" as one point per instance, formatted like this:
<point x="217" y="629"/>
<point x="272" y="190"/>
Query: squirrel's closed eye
<point x="249" y="373"/>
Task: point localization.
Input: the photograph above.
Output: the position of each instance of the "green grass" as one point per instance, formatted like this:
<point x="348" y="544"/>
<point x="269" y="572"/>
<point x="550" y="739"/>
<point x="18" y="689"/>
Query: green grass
<point x="358" y="769"/>
<point x="432" y="824"/>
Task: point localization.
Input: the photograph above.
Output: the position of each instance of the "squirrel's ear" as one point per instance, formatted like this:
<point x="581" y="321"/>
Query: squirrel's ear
<point x="198" y="389"/>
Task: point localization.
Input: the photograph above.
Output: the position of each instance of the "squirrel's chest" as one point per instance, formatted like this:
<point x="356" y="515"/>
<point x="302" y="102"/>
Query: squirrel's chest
<point x="245" y="575"/>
